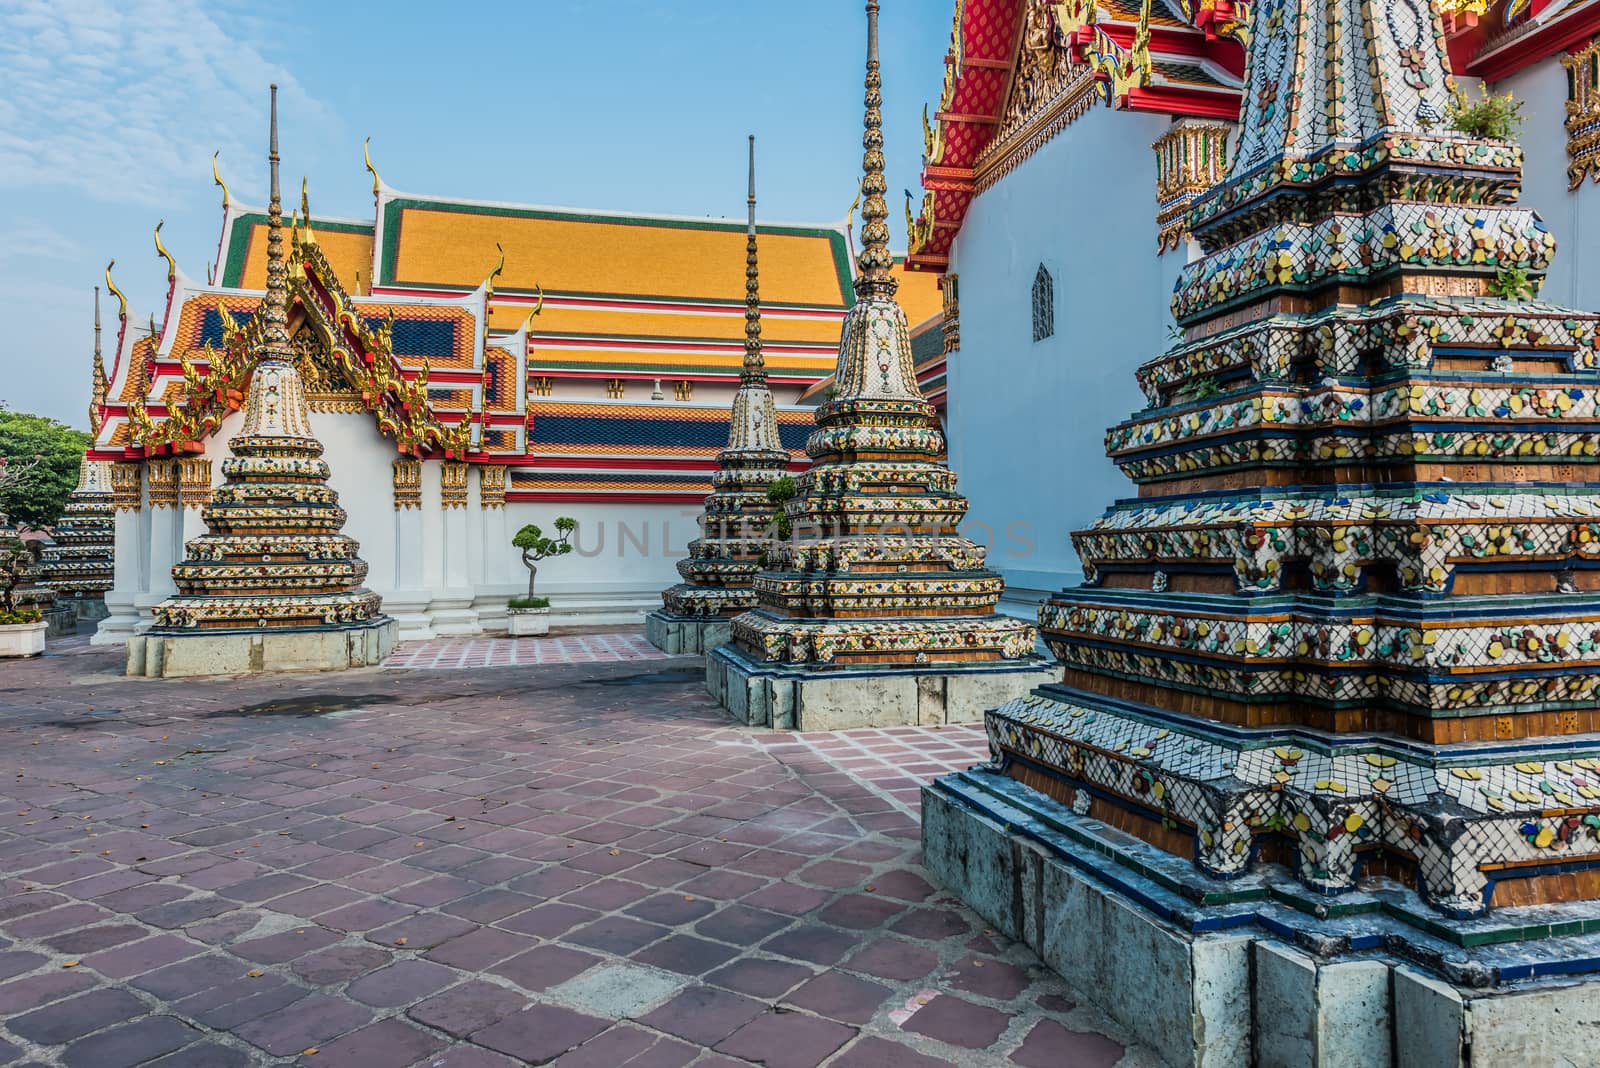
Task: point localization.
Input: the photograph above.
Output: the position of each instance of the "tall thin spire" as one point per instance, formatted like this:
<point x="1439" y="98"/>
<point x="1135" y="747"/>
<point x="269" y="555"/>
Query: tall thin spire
<point x="873" y="263"/>
<point x="98" y="385"/>
<point x="755" y="371"/>
<point x="275" y="337"/>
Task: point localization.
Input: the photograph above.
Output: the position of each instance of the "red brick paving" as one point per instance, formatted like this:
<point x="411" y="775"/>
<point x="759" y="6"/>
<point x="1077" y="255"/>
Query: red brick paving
<point x="580" y="863"/>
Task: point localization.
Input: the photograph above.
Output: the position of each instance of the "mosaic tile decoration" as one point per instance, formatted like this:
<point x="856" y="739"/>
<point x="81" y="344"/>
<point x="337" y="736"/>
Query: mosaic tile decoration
<point x="80" y="562"/>
<point x="1351" y="623"/>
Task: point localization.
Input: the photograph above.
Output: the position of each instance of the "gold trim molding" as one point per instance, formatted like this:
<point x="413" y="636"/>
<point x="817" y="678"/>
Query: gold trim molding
<point x="194" y="482"/>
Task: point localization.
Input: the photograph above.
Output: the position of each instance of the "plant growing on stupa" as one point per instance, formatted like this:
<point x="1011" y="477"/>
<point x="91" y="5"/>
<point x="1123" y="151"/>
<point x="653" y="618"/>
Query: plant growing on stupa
<point x="1513" y="283"/>
<point x="781" y="489"/>
<point x="536" y="547"/>
<point x="1495" y="118"/>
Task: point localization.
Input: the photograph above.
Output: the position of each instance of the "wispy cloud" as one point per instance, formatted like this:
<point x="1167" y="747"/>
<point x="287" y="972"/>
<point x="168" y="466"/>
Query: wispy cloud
<point x="118" y="100"/>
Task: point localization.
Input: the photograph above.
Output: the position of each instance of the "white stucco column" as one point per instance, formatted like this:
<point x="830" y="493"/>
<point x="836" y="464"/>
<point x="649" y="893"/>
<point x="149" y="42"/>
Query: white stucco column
<point x="408" y="598"/>
<point x="166" y="536"/>
<point x="129" y="559"/>
<point x="492" y="543"/>
<point x="451" y="608"/>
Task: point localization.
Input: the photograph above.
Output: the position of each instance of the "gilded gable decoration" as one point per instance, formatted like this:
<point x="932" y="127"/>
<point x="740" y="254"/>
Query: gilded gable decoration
<point x="491" y="486"/>
<point x="163" y="483"/>
<point x="453" y="484"/>
<point x="1190" y="159"/>
<point x="127" y="487"/>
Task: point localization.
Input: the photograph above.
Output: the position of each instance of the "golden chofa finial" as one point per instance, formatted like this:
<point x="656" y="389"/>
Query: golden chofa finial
<point x="488" y="283"/>
<point x="527" y="324"/>
<point x="161" y="250"/>
<point x="367" y="156"/>
<point x="216" y="178"/>
<point x="111" y="287"/>
<point x="305" y="212"/>
<point x="98" y="383"/>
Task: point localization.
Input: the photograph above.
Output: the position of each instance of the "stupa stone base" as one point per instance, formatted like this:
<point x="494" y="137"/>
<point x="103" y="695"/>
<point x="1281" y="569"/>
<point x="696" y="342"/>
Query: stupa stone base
<point x="87" y="609"/>
<point x="60" y="620"/>
<point x="1258" y="969"/>
<point x="787" y="698"/>
<point x="166" y="655"/>
<point x="686" y="635"/>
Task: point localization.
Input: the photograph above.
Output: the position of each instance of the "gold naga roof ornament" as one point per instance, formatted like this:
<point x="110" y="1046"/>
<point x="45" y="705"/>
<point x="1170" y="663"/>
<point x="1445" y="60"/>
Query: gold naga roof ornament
<point x="111" y="287"/>
<point x="216" y="179"/>
<point x="305" y="213"/>
<point x="538" y="307"/>
<point x="367" y="156"/>
<point x="161" y="250"/>
<point x="488" y="283"/>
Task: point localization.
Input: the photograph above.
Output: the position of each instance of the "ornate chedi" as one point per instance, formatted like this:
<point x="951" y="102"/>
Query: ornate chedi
<point x="1340" y="659"/>
<point x="875" y="580"/>
<point x="734" y="527"/>
<point x="79" y="565"/>
<point x="273" y="585"/>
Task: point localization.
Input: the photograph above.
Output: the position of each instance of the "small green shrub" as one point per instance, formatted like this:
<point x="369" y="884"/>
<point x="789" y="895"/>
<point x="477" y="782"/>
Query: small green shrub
<point x="1495" y="118"/>
<point x="20" y="616"/>
<point x="528" y="602"/>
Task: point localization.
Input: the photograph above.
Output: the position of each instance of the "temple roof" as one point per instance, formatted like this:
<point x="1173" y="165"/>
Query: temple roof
<point x="646" y="294"/>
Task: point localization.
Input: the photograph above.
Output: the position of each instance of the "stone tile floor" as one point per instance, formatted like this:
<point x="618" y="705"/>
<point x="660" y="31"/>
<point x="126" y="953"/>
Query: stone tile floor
<point x="456" y="654"/>
<point x="581" y="864"/>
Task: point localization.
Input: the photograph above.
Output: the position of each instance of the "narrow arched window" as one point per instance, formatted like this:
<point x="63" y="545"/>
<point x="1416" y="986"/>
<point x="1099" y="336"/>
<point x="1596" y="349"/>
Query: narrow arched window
<point x="1044" y="305"/>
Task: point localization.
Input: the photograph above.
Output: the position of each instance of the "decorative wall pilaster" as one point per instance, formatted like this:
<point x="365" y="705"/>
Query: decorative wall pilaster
<point x="1583" y="113"/>
<point x="1190" y="159"/>
<point x="127" y="487"/>
<point x="194" y="482"/>
<point x="950" y="290"/>
<point x="492" y="486"/>
<point x="453" y="484"/>
<point x="163" y="478"/>
<point x="407" y="484"/>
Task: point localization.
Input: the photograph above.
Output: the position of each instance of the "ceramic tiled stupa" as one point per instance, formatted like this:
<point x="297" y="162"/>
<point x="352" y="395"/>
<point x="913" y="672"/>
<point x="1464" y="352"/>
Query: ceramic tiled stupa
<point x="1338" y="665"/>
<point x="875" y="611"/>
<point x="695" y="614"/>
<point x="79" y="565"/>
<point x="273" y="585"/>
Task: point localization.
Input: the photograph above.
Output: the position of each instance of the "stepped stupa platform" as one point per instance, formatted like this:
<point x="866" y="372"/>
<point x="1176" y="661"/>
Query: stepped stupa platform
<point x="874" y="611"/>
<point x="273" y="585"/>
<point x="1325" y="753"/>
<point x="79" y="566"/>
<point x="696" y="614"/>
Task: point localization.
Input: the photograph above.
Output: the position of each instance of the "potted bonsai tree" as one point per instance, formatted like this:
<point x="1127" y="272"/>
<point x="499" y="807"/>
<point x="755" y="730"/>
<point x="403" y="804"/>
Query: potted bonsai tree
<point x="530" y="615"/>
<point x="22" y="624"/>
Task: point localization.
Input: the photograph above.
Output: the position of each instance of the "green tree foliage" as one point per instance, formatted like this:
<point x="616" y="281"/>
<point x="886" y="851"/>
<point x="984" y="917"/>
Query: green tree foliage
<point x="535" y="546"/>
<point x="38" y="495"/>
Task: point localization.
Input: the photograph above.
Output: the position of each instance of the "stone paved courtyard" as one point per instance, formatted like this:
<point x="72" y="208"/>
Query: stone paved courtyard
<point x="571" y="862"/>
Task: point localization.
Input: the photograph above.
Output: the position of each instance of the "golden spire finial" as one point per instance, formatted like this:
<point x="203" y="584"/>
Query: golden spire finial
<point x="755" y="371"/>
<point x="111" y="287"/>
<point x="275" y="306"/>
<point x="161" y="250"/>
<point x="216" y="178"/>
<point x="98" y="388"/>
<point x="367" y="156"/>
<point x="873" y="262"/>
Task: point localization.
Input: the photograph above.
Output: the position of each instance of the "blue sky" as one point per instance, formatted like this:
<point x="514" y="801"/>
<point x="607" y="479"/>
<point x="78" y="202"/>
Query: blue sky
<point x="110" y="111"/>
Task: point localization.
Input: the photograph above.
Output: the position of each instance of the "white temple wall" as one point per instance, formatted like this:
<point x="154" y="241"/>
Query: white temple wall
<point x="1573" y="216"/>
<point x="1026" y="419"/>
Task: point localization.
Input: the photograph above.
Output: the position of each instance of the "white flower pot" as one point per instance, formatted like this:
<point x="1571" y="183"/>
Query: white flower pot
<point x="22" y="639"/>
<point x="526" y="622"/>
